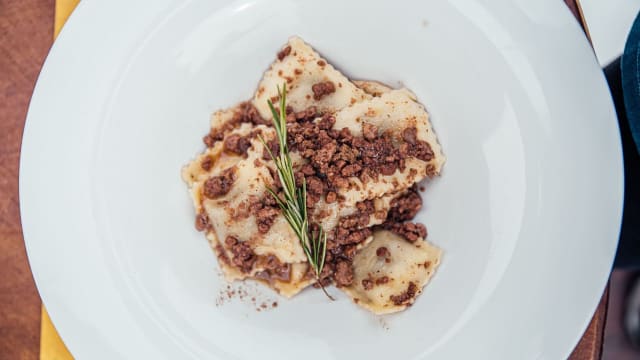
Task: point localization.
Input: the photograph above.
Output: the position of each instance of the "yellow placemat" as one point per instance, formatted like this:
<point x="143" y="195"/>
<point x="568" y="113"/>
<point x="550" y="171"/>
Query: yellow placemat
<point x="64" y="8"/>
<point x="51" y="346"/>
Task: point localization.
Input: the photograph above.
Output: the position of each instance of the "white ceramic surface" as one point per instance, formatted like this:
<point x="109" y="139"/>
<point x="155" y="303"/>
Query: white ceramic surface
<point x="527" y="209"/>
<point x="609" y="24"/>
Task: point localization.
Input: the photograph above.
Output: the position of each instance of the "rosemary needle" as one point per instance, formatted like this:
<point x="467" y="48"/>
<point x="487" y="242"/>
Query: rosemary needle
<point x="294" y="204"/>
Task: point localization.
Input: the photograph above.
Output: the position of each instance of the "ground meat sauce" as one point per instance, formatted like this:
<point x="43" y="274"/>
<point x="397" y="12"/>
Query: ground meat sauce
<point x="349" y="237"/>
<point x="265" y="217"/>
<point x="351" y="170"/>
<point x="222" y="255"/>
<point x="284" y="53"/>
<point x="414" y="147"/>
<point x="344" y="273"/>
<point x="202" y="221"/>
<point x="405" y="207"/>
<point x="212" y="137"/>
<point x="322" y="89"/>
<point x="333" y="156"/>
<point x="340" y="252"/>
<point x="245" y="260"/>
<point x="410" y="135"/>
<point x="369" y="131"/>
<point x="274" y="147"/>
<point x="382" y="252"/>
<point x="405" y="297"/>
<point x="321" y="146"/>
<point x="378" y="156"/>
<point x="207" y="163"/>
<point x="369" y="283"/>
<point x="244" y="113"/>
<point x="337" y="155"/>
<point x="309" y="114"/>
<point x="360" y="218"/>
<point x="410" y="231"/>
<point x="266" y="211"/>
<point x="274" y="269"/>
<point x="314" y="185"/>
<point x="237" y="144"/>
<point x="341" y="248"/>
<point x="243" y="257"/>
<point x="220" y="185"/>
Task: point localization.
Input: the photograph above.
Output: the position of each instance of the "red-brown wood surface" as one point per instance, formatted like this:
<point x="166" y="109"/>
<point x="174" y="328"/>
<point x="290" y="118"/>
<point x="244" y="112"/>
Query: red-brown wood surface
<point x="26" y="30"/>
<point x="590" y="345"/>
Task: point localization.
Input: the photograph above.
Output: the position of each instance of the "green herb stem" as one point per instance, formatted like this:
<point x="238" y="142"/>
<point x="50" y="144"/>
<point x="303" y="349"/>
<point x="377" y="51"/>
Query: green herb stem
<point x="294" y="204"/>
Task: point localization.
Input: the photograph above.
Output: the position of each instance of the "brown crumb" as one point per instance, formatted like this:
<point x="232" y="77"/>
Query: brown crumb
<point x="265" y="211"/>
<point x="247" y="293"/>
<point x="322" y="89"/>
<point x="207" y="163"/>
<point x="344" y="273"/>
<point x="367" y="284"/>
<point x="415" y="148"/>
<point x="217" y="186"/>
<point x="410" y="135"/>
<point x="243" y="256"/>
<point x="202" y="221"/>
<point x="273" y="147"/>
<point x="405" y="207"/>
<point x="331" y="197"/>
<point x="237" y="144"/>
<point x="405" y="297"/>
<point x="369" y="131"/>
<point x="351" y="170"/>
<point x="410" y="231"/>
<point x="284" y="52"/>
<point x="382" y="251"/>
<point x="209" y="140"/>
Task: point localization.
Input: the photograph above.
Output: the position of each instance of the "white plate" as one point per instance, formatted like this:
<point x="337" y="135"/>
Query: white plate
<point x="527" y="209"/>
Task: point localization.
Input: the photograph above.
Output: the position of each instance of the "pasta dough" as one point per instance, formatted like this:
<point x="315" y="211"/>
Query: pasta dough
<point x="362" y="207"/>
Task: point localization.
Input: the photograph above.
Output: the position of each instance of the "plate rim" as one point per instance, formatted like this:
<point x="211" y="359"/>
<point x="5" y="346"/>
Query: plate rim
<point x="54" y="55"/>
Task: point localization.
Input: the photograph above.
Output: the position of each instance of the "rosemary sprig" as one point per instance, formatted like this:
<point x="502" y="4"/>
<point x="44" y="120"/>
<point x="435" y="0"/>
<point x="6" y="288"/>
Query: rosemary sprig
<point x="294" y="205"/>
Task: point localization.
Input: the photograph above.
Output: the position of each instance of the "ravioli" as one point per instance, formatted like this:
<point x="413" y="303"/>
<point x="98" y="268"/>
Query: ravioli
<point x="216" y="157"/>
<point x="361" y="147"/>
<point x="298" y="280"/>
<point x="393" y="111"/>
<point x="301" y="68"/>
<point x="230" y="214"/>
<point x="391" y="272"/>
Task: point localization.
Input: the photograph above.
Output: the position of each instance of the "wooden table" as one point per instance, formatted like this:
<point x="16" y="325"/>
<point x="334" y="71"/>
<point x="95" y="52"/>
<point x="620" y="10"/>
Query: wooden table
<point x="26" y="31"/>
